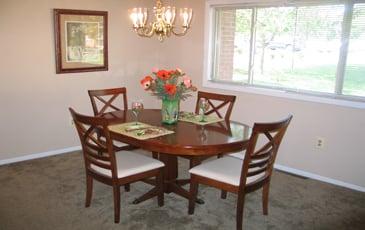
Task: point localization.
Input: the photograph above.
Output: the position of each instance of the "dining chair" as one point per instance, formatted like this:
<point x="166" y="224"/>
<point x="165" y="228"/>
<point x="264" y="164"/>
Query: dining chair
<point x="108" y="100"/>
<point x="220" y="104"/>
<point x="243" y="176"/>
<point x="111" y="167"/>
<point x="104" y="100"/>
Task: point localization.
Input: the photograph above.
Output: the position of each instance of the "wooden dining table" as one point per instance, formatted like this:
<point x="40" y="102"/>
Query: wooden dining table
<point x="189" y="140"/>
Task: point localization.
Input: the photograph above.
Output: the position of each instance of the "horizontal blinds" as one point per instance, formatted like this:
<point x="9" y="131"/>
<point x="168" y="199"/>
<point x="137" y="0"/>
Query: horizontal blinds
<point x="256" y="3"/>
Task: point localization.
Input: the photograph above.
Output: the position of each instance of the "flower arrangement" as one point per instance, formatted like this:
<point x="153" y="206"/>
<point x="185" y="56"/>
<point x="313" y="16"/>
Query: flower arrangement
<point x="168" y="84"/>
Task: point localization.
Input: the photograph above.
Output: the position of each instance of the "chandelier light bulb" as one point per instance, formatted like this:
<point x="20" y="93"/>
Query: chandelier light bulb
<point x="134" y="17"/>
<point x="186" y="15"/>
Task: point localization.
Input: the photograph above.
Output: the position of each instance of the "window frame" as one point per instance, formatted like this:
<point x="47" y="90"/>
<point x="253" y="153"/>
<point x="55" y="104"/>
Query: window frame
<point x="329" y="98"/>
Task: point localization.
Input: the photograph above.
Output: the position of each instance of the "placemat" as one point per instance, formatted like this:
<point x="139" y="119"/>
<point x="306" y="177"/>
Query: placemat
<point x="140" y="131"/>
<point x="196" y="119"/>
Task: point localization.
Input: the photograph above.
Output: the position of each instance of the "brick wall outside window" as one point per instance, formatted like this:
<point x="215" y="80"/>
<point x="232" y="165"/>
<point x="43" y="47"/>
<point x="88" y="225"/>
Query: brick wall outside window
<point x="225" y="56"/>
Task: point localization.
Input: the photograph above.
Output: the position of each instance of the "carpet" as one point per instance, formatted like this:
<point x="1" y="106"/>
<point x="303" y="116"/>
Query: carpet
<point x="49" y="193"/>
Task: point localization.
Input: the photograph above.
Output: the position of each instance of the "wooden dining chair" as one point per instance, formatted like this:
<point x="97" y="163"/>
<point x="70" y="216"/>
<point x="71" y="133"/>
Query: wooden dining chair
<point x="220" y="104"/>
<point x="106" y="100"/>
<point x="243" y="176"/>
<point x="110" y="167"/>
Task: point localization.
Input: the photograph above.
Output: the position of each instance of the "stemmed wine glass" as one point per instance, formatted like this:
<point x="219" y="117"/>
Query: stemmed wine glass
<point x="203" y="108"/>
<point x="137" y="107"/>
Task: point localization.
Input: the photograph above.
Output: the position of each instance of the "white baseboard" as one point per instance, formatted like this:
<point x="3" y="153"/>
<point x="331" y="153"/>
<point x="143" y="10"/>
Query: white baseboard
<point x="318" y="177"/>
<point x="39" y="155"/>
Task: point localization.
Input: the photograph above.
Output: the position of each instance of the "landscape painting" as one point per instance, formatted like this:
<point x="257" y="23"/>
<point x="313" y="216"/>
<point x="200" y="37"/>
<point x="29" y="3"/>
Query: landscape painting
<point x="81" y="41"/>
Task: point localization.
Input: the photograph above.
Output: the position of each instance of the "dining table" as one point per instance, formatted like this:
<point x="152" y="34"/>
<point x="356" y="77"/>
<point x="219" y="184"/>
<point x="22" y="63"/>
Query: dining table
<point x="188" y="140"/>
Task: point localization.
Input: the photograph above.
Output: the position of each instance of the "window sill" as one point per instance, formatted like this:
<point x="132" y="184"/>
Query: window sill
<point x="284" y="94"/>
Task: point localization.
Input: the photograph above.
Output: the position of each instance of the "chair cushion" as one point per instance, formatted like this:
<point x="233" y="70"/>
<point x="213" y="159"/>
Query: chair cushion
<point x="225" y="169"/>
<point x="119" y="144"/>
<point x="130" y="163"/>
<point x="239" y="155"/>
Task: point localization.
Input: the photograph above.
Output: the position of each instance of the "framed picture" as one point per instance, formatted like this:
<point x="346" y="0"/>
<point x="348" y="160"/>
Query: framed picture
<point x="81" y="40"/>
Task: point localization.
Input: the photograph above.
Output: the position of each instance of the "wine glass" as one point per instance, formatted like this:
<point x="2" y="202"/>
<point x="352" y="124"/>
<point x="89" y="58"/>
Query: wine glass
<point x="203" y="108"/>
<point x="137" y="107"/>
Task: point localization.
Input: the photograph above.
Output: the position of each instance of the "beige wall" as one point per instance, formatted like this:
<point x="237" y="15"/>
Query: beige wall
<point x="34" y="100"/>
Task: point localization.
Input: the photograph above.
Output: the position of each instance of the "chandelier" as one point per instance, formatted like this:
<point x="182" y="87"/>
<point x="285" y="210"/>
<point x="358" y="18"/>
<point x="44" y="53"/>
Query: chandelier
<point x="164" y="24"/>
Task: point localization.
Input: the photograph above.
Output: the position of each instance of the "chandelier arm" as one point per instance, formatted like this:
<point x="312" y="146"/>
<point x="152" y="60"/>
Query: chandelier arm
<point x="145" y="31"/>
<point x="180" y="33"/>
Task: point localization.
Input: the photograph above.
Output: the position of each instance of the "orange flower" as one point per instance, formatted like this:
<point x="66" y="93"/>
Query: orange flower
<point x="163" y="74"/>
<point x="170" y="89"/>
<point x="146" y="82"/>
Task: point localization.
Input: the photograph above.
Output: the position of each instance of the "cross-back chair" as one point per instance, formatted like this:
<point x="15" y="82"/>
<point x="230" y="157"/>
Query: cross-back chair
<point x="243" y="176"/>
<point x="224" y="101"/>
<point x="103" y="100"/>
<point x="221" y="105"/>
<point x="106" y="100"/>
<point x="103" y="164"/>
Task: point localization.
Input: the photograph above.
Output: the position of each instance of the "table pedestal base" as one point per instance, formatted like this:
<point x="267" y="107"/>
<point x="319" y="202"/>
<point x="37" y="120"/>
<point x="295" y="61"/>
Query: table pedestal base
<point x="171" y="183"/>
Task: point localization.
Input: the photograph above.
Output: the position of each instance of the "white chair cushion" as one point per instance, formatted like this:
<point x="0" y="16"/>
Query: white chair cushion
<point x="225" y="169"/>
<point x="130" y="163"/>
<point x="116" y="143"/>
<point x="143" y="152"/>
<point x="239" y="155"/>
<point x="119" y="144"/>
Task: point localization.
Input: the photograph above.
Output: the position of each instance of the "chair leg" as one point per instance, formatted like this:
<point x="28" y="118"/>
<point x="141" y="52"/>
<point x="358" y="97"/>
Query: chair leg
<point x="193" y="194"/>
<point x="223" y="194"/>
<point x="159" y="183"/>
<point x="155" y="155"/>
<point x="89" y="190"/>
<point x="265" y="198"/>
<point x="191" y="164"/>
<point x="127" y="187"/>
<point x="116" y="193"/>
<point x="194" y="161"/>
<point x="239" y="212"/>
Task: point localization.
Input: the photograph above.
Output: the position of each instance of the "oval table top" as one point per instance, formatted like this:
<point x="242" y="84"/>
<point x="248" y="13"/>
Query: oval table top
<point x="188" y="138"/>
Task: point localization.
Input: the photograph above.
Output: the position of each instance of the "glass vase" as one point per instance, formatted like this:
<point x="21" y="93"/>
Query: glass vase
<point x="170" y="111"/>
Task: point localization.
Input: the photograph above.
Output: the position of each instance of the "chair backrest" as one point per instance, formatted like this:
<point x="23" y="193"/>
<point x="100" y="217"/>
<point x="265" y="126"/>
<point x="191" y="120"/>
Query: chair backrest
<point x="107" y="100"/>
<point x="259" y="159"/>
<point x="97" y="153"/>
<point x="220" y="104"/>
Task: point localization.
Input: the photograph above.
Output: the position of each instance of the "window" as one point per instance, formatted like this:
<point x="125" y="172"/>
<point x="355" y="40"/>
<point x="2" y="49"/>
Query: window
<point x="298" y="48"/>
<point x="354" y="79"/>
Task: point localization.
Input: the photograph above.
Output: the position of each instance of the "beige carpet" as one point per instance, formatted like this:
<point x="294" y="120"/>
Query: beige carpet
<point x="49" y="193"/>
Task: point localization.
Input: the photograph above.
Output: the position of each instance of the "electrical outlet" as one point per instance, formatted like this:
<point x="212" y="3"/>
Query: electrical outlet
<point x="320" y="142"/>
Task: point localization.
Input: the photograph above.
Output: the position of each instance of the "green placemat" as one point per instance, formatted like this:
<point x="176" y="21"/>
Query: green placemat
<point x="140" y="130"/>
<point x="196" y="119"/>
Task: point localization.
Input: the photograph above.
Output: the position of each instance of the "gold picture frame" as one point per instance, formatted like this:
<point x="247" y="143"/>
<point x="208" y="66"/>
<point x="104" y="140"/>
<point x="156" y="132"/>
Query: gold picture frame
<point x="81" y="40"/>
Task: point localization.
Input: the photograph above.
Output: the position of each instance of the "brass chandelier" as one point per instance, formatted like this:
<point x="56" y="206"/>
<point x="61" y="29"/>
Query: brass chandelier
<point x="164" y="24"/>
